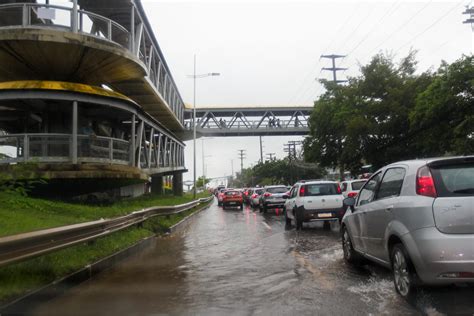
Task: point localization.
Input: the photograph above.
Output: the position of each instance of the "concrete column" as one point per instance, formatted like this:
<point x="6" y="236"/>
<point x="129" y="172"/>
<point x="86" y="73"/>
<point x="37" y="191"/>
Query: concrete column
<point x="178" y="184"/>
<point x="157" y="185"/>
<point x="133" y="145"/>
<point x="74" y="143"/>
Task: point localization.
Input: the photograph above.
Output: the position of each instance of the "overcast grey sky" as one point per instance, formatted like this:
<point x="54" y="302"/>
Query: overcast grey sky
<point x="268" y="52"/>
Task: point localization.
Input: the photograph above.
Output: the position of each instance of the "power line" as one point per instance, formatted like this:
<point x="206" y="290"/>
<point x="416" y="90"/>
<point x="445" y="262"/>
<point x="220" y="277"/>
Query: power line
<point x="430" y="26"/>
<point x="403" y="25"/>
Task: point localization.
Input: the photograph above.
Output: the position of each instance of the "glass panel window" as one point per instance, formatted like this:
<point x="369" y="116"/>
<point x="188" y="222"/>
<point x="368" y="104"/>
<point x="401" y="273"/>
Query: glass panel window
<point x="367" y="194"/>
<point x="391" y="183"/>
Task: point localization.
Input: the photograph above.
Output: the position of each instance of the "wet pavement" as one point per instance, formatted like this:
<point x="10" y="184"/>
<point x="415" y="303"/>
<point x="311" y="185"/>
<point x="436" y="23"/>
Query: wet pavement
<point x="238" y="262"/>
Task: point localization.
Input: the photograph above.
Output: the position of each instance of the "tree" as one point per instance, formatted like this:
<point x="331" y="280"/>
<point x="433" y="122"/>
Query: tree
<point x="443" y="120"/>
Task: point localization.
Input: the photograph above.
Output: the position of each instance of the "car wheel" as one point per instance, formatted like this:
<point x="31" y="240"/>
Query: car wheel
<point x="350" y="255"/>
<point x="265" y="208"/>
<point x="299" y="219"/>
<point x="287" y="219"/>
<point x="241" y="206"/>
<point x="326" y="225"/>
<point x="403" y="272"/>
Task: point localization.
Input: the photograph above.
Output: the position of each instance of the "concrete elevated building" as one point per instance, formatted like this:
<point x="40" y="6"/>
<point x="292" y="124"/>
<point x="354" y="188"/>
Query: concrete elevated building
<point x="86" y="94"/>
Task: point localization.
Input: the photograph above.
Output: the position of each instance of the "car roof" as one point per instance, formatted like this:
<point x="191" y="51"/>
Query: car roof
<point x="425" y="161"/>
<point x="275" y="186"/>
<point x="319" y="182"/>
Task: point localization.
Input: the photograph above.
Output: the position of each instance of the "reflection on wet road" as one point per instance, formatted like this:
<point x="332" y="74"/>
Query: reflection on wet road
<point x="245" y="263"/>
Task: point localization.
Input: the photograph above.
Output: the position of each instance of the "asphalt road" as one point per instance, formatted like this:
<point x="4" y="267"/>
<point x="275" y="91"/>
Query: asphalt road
<point x="237" y="262"/>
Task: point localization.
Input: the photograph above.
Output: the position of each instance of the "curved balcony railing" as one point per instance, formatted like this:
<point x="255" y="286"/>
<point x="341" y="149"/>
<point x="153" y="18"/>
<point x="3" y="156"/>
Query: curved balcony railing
<point x="54" y="148"/>
<point x="138" y="40"/>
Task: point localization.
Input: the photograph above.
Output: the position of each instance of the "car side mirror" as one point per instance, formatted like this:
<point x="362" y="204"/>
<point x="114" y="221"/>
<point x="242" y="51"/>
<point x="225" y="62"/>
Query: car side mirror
<point x="350" y="201"/>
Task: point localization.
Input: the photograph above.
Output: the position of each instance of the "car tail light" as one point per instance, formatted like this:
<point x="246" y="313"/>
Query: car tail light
<point x="352" y="194"/>
<point x="424" y="182"/>
<point x="267" y="194"/>
<point x="302" y="190"/>
<point x="338" y="188"/>
<point x="254" y="196"/>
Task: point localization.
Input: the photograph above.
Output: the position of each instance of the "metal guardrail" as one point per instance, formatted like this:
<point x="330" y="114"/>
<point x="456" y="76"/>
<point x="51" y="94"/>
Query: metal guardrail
<point x="23" y="246"/>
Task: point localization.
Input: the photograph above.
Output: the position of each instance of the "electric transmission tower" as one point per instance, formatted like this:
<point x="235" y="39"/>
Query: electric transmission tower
<point x="241" y="156"/>
<point x="334" y="69"/>
<point x="470" y="13"/>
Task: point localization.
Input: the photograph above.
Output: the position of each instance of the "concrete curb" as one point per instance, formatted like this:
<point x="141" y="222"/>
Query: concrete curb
<point x="25" y="304"/>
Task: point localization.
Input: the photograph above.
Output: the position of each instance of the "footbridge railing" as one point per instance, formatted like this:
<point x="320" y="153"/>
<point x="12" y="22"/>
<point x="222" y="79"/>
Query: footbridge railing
<point x="138" y="38"/>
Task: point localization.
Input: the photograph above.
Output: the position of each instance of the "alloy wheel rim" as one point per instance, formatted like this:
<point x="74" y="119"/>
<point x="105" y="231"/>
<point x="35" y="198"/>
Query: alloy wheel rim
<point x="402" y="281"/>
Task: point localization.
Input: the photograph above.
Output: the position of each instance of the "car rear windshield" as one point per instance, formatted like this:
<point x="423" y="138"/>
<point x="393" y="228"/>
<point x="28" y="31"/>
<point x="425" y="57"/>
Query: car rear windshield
<point x="277" y="190"/>
<point x="232" y="193"/>
<point x="357" y="185"/>
<point x="259" y="191"/>
<point x="454" y="180"/>
<point x="320" y="189"/>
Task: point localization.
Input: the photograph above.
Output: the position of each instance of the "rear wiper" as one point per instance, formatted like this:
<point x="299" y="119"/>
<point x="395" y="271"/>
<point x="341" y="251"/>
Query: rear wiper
<point x="469" y="190"/>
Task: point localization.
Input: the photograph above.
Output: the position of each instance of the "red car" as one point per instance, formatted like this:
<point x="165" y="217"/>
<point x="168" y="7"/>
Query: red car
<point x="232" y="198"/>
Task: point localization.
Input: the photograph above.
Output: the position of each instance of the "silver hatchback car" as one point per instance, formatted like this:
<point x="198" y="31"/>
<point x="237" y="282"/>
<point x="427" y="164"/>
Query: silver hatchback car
<point x="417" y="218"/>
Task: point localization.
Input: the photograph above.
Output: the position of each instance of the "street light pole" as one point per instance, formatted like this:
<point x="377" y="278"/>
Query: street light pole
<point x="194" y="76"/>
<point x="194" y="129"/>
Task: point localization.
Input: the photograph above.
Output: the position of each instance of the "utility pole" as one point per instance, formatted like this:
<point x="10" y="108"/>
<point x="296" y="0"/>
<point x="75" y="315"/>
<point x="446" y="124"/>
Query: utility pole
<point x="334" y="69"/>
<point x="261" y="150"/>
<point x="241" y="155"/>
<point x="290" y="148"/>
<point x="271" y="156"/>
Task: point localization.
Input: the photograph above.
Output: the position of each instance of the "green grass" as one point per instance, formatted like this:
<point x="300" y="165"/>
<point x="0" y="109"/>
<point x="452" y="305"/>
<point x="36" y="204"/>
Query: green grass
<point x="20" y="214"/>
<point x="21" y="278"/>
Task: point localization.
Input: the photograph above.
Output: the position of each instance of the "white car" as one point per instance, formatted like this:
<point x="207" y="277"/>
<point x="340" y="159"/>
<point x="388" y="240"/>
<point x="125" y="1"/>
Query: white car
<point x="351" y="188"/>
<point x="314" y="201"/>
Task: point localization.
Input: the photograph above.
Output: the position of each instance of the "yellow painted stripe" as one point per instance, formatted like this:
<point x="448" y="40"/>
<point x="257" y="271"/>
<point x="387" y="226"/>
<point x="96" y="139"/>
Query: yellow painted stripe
<point x="61" y="86"/>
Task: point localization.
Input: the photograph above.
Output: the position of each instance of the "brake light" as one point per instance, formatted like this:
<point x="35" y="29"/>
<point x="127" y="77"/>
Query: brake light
<point x="338" y="188"/>
<point x="352" y="194"/>
<point x="246" y="193"/>
<point x="254" y="196"/>
<point x="302" y="190"/>
<point x="267" y="194"/>
<point x="424" y="183"/>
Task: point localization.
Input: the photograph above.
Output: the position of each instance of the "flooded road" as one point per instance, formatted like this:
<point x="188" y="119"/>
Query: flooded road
<point x="244" y="263"/>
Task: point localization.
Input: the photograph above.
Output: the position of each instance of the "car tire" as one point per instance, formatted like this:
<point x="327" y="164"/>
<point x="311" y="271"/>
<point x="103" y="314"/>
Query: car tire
<point x="404" y="275"/>
<point x="350" y="255"/>
<point x="241" y="206"/>
<point x="265" y="208"/>
<point x="299" y="219"/>
<point x="287" y="219"/>
<point x="326" y="225"/>
<point x="223" y="206"/>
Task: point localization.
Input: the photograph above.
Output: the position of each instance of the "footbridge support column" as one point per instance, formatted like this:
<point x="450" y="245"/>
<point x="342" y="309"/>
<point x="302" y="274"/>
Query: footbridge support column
<point x="178" y="183"/>
<point x="157" y="185"/>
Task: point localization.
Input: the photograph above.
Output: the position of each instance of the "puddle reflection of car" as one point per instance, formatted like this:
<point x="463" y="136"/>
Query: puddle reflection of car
<point x="232" y="198"/>
<point x="313" y="201"/>
<point x="417" y="218"/>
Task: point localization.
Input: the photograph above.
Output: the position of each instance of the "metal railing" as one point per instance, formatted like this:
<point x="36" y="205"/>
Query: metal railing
<point x="138" y="40"/>
<point x="246" y="125"/>
<point x="28" y="245"/>
<point x="58" y="148"/>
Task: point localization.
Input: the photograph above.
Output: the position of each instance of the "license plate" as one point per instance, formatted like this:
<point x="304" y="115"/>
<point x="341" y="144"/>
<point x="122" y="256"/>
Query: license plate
<point x="325" y="215"/>
<point x="232" y="203"/>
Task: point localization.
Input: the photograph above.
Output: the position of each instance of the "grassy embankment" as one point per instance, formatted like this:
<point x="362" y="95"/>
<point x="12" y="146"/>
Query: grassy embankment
<point x="21" y="214"/>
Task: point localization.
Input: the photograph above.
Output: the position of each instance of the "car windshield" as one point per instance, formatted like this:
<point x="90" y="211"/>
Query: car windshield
<point x="277" y="190"/>
<point x="320" y="189"/>
<point x="356" y="185"/>
<point x="231" y="193"/>
<point x="454" y="179"/>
